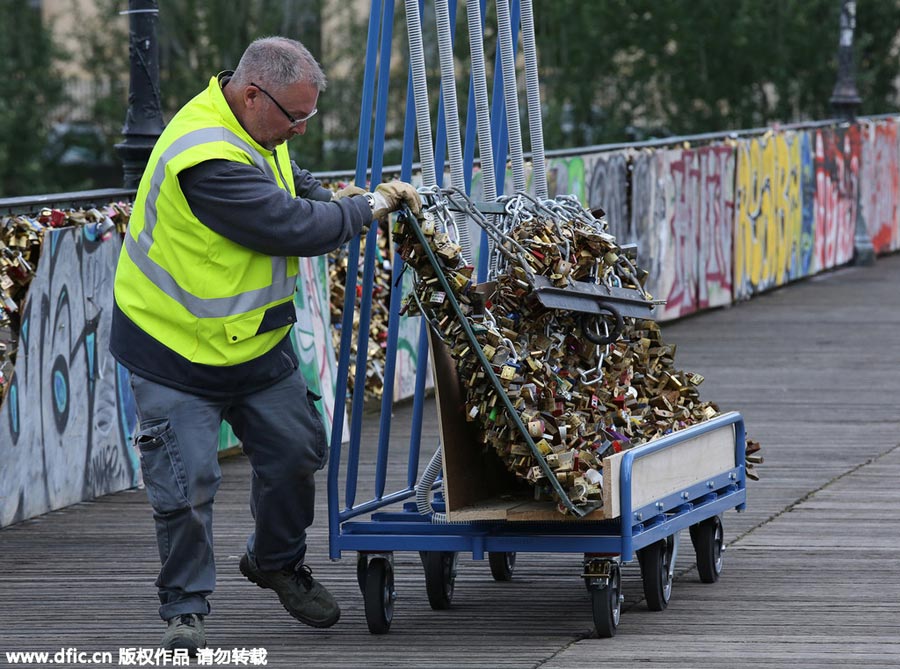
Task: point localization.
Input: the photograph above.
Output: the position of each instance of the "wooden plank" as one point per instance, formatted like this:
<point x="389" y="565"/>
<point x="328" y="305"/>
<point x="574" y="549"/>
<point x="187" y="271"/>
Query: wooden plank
<point x="470" y="474"/>
<point x="669" y="470"/>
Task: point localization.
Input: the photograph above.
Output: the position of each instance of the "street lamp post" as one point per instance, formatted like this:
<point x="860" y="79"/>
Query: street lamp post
<point x="845" y="98"/>
<point x="845" y="101"/>
<point x="143" y="121"/>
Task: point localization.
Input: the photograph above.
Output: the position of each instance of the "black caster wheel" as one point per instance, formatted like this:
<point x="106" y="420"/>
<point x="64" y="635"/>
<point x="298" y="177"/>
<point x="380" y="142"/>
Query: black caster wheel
<point x="379" y="595"/>
<point x="502" y="565"/>
<point x="440" y="576"/>
<point x="606" y="602"/>
<point x="708" y="538"/>
<point x="657" y="572"/>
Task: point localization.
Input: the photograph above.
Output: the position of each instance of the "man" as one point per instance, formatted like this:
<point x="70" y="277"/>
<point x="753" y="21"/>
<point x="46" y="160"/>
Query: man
<point x="202" y="318"/>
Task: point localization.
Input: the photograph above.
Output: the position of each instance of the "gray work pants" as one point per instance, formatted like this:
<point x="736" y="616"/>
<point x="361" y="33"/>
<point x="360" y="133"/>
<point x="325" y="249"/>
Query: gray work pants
<point x="177" y="437"/>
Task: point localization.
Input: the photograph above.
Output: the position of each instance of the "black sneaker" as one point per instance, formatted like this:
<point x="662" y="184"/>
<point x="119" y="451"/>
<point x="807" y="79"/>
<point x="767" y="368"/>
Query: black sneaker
<point x="185" y="631"/>
<point x="301" y="595"/>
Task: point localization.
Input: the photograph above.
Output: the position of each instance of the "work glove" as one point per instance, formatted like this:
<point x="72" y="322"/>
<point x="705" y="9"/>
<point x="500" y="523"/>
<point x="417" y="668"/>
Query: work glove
<point x="393" y="195"/>
<point x="348" y="191"/>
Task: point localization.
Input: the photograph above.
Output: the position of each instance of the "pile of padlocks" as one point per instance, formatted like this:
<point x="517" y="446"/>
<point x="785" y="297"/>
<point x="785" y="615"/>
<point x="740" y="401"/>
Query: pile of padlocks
<point x="381" y="290"/>
<point x="579" y="401"/>
<point x="21" y="237"/>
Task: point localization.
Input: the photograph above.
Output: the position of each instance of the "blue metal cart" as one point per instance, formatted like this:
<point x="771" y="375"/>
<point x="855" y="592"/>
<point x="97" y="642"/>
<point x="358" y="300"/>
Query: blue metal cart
<point x="651" y="500"/>
<point x="646" y="528"/>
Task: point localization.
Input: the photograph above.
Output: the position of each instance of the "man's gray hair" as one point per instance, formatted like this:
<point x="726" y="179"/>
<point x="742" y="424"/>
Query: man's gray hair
<point x="278" y="62"/>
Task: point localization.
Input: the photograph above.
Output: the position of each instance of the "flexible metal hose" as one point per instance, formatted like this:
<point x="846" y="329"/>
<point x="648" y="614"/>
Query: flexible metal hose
<point x="423" y="489"/>
<point x="482" y="107"/>
<point x="451" y="118"/>
<point x="510" y="93"/>
<point x="420" y="92"/>
<point x="533" y="94"/>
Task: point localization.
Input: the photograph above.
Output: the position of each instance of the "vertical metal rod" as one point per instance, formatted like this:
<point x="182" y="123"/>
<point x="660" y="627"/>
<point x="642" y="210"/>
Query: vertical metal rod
<point x="387" y="397"/>
<point x="415" y="436"/>
<point x="350" y="303"/>
<point x="415" y="440"/>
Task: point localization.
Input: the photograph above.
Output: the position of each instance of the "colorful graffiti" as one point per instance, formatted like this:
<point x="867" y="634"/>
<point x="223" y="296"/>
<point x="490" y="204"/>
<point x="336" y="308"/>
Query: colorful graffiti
<point x="312" y="334"/>
<point x="836" y="157"/>
<point x="772" y="241"/>
<point x="647" y="217"/>
<point x="880" y="184"/>
<point x="678" y="282"/>
<point x="606" y="188"/>
<point x="712" y="224"/>
<point x="565" y="176"/>
<point x="66" y="422"/>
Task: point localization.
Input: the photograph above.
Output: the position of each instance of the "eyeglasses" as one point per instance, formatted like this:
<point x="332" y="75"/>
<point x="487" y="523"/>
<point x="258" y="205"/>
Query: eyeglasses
<point x="294" y="121"/>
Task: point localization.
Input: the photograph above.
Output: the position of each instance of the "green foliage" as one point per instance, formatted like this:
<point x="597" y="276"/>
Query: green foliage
<point x="32" y="90"/>
<point x="620" y="70"/>
<point x="610" y="70"/>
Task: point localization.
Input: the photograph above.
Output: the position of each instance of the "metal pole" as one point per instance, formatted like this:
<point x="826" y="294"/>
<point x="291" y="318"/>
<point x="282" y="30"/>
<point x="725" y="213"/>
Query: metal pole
<point x="143" y="121"/>
<point x="845" y="98"/>
<point x="845" y="101"/>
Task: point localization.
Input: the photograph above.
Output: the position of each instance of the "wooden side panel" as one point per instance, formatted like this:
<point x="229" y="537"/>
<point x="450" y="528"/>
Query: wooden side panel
<point x="670" y="469"/>
<point x="470" y="474"/>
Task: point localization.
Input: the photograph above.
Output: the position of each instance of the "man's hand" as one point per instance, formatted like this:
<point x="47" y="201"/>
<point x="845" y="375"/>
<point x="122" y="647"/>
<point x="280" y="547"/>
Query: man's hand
<point x="391" y="196"/>
<point x="348" y="191"/>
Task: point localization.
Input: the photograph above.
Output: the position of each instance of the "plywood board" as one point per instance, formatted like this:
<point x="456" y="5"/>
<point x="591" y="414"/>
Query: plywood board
<point x="471" y="475"/>
<point x="669" y="470"/>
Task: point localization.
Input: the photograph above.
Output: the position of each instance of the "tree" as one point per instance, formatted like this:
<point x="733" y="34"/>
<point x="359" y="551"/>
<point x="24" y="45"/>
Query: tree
<point x="32" y="90"/>
<point x="626" y="69"/>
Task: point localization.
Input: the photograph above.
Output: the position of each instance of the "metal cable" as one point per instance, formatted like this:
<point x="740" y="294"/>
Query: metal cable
<point x="510" y="93"/>
<point x="533" y="95"/>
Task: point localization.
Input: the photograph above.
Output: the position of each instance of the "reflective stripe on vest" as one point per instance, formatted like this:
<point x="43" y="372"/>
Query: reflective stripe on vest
<point x="138" y="249"/>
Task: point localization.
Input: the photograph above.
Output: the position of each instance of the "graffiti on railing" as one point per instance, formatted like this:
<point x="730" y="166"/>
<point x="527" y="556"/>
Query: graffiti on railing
<point x="713" y="224"/>
<point x="63" y="437"/>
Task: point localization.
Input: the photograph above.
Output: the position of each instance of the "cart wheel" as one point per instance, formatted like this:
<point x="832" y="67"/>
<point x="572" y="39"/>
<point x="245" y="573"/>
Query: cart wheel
<point x="440" y="576"/>
<point x="379" y="596"/>
<point x="656" y="572"/>
<point x="708" y="538"/>
<point x="502" y="565"/>
<point x="606" y="604"/>
<point x="362" y="562"/>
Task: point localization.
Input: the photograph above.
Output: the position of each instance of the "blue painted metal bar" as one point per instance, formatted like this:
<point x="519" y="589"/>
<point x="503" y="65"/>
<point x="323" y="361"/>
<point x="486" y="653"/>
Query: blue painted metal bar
<point x="350" y="294"/>
<point x="365" y="309"/>
<point x="374" y="504"/>
<point x="381" y="106"/>
<point x="422" y="371"/>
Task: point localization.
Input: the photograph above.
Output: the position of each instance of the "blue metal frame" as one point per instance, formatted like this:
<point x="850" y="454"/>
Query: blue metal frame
<point x="404" y="528"/>
<point x="409" y="530"/>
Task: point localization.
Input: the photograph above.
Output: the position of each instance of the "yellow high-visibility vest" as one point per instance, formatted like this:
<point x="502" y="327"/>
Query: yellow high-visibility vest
<point x="188" y="287"/>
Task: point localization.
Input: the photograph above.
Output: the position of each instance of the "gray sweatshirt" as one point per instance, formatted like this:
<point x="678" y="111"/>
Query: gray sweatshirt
<point x="239" y="202"/>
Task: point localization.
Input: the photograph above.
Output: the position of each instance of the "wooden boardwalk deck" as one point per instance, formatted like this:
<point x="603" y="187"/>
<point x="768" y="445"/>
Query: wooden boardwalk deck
<point x="812" y="574"/>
